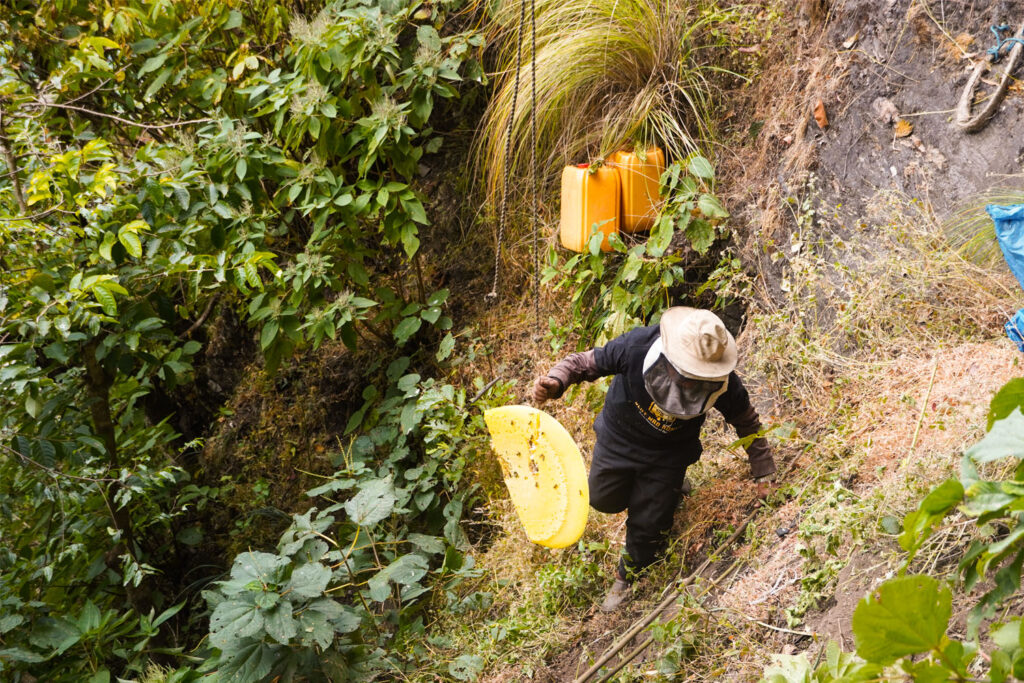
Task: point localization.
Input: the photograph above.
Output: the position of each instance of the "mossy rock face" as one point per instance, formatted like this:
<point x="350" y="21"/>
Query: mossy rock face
<point x="275" y="435"/>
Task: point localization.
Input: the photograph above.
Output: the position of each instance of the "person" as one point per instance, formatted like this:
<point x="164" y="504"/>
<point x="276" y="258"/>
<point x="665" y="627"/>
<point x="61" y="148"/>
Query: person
<point x="667" y="377"/>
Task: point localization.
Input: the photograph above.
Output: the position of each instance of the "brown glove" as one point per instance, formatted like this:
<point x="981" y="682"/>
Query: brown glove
<point x="545" y="388"/>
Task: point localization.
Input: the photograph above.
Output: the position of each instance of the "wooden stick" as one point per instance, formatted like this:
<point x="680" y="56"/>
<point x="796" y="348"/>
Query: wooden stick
<point x="617" y="646"/>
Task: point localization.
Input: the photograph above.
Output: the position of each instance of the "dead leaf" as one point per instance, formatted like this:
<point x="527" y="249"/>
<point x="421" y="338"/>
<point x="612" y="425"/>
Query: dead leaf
<point x="820" y="116"/>
<point x="903" y="128"/>
<point x="851" y="41"/>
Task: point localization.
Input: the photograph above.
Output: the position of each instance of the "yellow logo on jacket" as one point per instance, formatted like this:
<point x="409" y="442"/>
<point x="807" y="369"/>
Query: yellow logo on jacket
<point x="658" y="418"/>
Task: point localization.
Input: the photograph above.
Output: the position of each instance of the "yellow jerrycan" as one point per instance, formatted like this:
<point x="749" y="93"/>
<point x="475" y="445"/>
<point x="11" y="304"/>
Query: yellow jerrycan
<point x="544" y="473"/>
<point x="640" y="177"/>
<point x="589" y="196"/>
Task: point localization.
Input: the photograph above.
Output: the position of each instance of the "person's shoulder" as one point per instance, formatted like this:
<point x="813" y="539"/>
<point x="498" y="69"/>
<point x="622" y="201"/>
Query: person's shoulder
<point x="638" y="336"/>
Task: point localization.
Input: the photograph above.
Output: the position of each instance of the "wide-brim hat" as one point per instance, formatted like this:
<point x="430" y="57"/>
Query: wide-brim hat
<point x="697" y="342"/>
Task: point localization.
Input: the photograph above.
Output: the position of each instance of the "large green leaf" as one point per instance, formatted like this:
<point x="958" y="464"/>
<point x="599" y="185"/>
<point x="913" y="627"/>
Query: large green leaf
<point x="466" y="667"/>
<point x="314" y="628"/>
<point x="903" y="616"/>
<point x="917" y="525"/>
<point x="373" y="503"/>
<point x="109" y="240"/>
<point x="105" y="299"/>
<point x="701" y="167"/>
<point x="711" y="207"/>
<point x="343" y="618"/>
<point x="258" y="567"/>
<point x="1008" y="636"/>
<point x="789" y="669"/>
<point x="309" y="580"/>
<point x="408" y="327"/>
<point x="405" y="571"/>
<point x="247" y="660"/>
<point x="1005" y="438"/>
<point x="1009" y="398"/>
<point x="986" y="496"/>
<point x="234" y="619"/>
<point x="279" y="624"/>
<point x="130" y="241"/>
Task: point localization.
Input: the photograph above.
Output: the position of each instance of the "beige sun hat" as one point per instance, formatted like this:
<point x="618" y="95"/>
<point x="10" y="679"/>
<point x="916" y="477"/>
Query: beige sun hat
<point x="697" y="343"/>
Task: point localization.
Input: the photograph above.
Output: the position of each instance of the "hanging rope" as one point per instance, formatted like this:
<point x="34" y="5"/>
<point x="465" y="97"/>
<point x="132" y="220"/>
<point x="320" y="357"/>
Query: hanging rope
<point x="503" y="208"/>
<point x="534" y="222"/>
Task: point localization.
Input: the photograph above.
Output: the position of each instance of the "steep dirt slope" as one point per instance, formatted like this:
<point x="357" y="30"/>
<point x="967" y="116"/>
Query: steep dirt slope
<point x="880" y="414"/>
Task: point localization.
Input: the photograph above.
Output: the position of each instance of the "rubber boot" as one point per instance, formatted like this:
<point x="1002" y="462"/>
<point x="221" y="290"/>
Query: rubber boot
<point x="619" y="594"/>
<point x="687" y="487"/>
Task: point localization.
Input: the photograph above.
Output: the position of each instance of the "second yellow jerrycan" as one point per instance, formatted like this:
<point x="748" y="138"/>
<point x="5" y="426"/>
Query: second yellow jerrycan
<point x="641" y="187"/>
<point x="589" y="197"/>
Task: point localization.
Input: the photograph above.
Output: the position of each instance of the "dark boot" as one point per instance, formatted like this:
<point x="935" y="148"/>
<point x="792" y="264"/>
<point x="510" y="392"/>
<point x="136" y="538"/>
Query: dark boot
<point x="619" y="594"/>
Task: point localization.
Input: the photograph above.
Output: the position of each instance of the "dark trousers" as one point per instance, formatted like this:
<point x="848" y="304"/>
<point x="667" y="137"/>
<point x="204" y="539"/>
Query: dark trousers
<point x="651" y="494"/>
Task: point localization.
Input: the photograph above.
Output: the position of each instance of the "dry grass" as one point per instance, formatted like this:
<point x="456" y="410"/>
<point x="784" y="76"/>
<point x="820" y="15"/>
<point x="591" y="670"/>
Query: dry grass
<point x="972" y="231"/>
<point x="609" y="73"/>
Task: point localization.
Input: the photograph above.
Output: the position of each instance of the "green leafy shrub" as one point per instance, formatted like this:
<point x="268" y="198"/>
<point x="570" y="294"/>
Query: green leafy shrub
<point x="903" y="623"/>
<point x="161" y="161"/>
<point x="569" y="586"/>
<point x="353" y="580"/>
<point x="611" y="293"/>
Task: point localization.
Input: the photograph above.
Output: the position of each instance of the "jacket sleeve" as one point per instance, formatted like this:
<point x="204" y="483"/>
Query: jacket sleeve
<point x="741" y="414"/>
<point x="577" y="367"/>
<point x="610" y="359"/>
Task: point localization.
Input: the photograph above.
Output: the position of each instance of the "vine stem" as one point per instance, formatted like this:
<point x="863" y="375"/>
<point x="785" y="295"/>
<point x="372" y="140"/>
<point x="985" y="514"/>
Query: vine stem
<point x="924" y="407"/>
<point x="359" y="594"/>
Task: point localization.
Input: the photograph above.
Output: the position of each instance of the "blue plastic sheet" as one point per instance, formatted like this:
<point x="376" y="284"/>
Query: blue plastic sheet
<point x="1009" y="222"/>
<point x="1015" y="329"/>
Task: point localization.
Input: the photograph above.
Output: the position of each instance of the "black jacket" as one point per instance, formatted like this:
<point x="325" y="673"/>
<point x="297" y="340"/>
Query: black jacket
<point x="631" y="424"/>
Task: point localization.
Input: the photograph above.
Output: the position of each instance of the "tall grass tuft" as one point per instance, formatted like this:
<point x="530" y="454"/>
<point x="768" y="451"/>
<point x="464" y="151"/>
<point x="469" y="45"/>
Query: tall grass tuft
<point x="609" y="73"/>
<point x="971" y="230"/>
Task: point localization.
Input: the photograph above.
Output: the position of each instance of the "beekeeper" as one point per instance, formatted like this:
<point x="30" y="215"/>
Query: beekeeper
<point x="667" y="377"/>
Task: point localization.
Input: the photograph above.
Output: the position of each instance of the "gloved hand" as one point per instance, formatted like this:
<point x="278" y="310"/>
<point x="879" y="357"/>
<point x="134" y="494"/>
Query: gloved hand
<point x="545" y="388"/>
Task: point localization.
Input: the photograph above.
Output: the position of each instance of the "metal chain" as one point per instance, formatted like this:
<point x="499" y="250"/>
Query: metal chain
<point x="493" y="294"/>
<point x="535" y="223"/>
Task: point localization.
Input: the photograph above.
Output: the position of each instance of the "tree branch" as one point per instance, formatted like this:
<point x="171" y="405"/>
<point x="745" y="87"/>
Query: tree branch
<point x="202" y="318"/>
<point x="56" y="474"/>
<point x="145" y="126"/>
<point x="12" y="171"/>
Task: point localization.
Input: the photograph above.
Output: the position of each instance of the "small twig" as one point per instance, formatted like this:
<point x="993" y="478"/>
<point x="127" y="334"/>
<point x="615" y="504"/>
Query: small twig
<point x="483" y="391"/>
<point x="57" y="474"/>
<point x="761" y="623"/>
<point x="136" y="124"/>
<point x="202" y="318"/>
<point x="924" y="406"/>
<point x="32" y="217"/>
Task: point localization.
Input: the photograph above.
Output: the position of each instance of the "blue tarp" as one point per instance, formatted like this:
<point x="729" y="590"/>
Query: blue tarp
<point x="1009" y="222"/>
<point x="1015" y="329"/>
